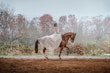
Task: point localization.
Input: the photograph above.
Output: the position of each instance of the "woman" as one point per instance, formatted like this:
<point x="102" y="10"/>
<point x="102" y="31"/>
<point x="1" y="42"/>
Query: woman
<point x="57" y="38"/>
<point x="56" y="28"/>
<point x="54" y="39"/>
<point x="51" y="42"/>
<point x="57" y="35"/>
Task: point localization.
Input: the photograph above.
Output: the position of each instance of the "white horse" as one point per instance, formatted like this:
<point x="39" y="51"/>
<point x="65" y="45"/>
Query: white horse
<point x="50" y="42"/>
<point x="54" y="41"/>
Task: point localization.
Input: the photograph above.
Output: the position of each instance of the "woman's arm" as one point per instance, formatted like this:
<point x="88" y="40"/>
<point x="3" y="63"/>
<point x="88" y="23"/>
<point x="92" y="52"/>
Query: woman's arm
<point x="56" y="30"/>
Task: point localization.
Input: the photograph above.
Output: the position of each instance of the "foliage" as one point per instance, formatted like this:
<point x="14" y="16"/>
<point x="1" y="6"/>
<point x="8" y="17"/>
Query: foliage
<point x="15" y="49"/>
<point x="95" y="50"/>
<point x="17" y="33"/>
<point x="78" y="49"/>
<point x="46" y="23"/>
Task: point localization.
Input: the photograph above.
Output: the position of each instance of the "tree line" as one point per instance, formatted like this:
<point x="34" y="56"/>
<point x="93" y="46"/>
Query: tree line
<point x="13" y="27"/>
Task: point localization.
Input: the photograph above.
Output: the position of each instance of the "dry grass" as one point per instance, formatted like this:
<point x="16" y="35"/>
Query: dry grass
<point x="79" y="49"/>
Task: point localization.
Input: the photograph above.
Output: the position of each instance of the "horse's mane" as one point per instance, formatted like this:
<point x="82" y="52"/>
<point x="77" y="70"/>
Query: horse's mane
<point x="67" y="35"/>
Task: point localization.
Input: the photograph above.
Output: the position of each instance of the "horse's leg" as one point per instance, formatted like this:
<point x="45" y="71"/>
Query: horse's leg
<point x="68" y="50"/>
<point x="44" y="53"/>
<point x="60" y="52"/>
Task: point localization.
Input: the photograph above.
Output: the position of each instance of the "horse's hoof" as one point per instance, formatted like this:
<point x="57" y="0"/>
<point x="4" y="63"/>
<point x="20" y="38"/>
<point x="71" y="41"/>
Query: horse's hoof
<point x="46" y="58"/>
<point x="60" y="58"/>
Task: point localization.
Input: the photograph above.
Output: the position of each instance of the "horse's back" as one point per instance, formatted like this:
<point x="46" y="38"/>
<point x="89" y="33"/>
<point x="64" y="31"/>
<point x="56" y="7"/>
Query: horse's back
<point x="51" y="41"/>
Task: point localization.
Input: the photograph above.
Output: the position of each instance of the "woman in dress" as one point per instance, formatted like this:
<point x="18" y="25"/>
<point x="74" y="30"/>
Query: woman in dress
<point x="56" y="28"/>
<point x="56" y="37"/>
<point x="50" y="42"/>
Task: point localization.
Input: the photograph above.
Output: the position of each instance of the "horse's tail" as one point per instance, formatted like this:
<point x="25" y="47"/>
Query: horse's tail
<point x="36" y="46"/>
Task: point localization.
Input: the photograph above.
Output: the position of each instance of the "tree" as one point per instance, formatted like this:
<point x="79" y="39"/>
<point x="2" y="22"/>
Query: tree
<point x="106" y="23"/>
<point x="34" y="28"/>
<point x="21" y="25"/>
<point x="80" y="32"/>
<point x="63" y="24"/>
<point x="6" y="18"/>
<point x="46" y="23"/>
<point x="99" y="27"/>
<point x="72" y="21"/>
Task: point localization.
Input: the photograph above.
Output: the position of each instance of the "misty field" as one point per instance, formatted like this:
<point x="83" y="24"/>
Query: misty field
<point x="18" y="34"/>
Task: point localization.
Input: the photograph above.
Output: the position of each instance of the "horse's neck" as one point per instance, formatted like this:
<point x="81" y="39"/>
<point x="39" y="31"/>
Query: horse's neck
<point x="67" y="37"/>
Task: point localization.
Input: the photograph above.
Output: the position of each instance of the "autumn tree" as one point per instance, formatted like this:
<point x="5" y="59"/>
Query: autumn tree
<point x="72" y="21"/>
<point x="97" y="20"/>
<point x="106" y="23"/>
<point x="34" y="29"/>
<point x="63" y="24"/>
<point x="21" y="25"/>
<point x="35" y="25"/>
<point x="80" y="32"/>
<point x="6" y="19"/>
<point x="46" y="22"/>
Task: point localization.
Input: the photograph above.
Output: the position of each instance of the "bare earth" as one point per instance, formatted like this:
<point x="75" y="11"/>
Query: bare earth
<point x="72" y="65"/>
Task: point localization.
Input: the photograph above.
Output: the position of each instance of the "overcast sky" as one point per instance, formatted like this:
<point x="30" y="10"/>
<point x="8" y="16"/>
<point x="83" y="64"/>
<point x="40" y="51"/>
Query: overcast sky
<point x="33" y="8"/>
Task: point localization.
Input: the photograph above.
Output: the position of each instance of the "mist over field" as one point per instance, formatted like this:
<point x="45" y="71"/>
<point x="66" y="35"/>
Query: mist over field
<point x="20" y="26"/>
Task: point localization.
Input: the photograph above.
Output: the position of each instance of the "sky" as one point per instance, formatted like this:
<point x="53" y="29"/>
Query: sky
<point x="57" y="8"/>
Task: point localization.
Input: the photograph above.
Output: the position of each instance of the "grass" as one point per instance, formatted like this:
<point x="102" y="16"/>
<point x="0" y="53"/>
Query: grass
<point x="10" y="49"/>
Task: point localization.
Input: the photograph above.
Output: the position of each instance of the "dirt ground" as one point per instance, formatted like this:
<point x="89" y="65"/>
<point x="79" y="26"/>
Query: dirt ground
<point x="74" y="65"/>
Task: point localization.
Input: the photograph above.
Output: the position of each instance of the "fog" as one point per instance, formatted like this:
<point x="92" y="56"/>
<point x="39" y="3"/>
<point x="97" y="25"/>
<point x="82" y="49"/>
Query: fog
<point x="22" y="22"/>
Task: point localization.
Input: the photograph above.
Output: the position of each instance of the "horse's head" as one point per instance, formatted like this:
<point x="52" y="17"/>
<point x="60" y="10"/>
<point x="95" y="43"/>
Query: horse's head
<point x="72" y="36"/>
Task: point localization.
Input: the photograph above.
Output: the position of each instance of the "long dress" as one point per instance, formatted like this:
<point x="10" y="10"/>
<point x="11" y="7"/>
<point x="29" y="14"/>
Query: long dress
<point x="51" y="42"/>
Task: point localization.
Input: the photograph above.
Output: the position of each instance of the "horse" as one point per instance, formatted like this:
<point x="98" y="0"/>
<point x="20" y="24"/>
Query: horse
<point x="63" y="44"/>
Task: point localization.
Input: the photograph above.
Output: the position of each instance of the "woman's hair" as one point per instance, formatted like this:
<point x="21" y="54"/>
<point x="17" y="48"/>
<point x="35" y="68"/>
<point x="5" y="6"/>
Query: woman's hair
<point x="55" y="24"/>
